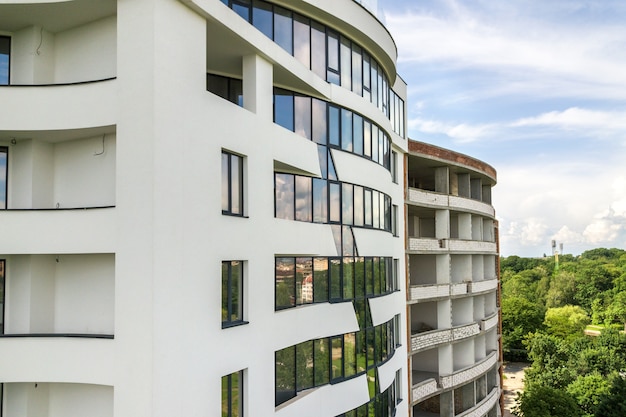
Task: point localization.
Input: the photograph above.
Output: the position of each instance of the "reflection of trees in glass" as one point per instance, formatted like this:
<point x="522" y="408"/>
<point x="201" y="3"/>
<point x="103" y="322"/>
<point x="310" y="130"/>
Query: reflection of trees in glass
<point x="232" y="291"/>
<point x="232" y="387"/>
<point x="285" y="283"/>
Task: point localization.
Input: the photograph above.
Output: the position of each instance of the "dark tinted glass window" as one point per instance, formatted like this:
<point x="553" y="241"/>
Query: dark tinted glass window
<point x="242" y="8"/>
<point x="285" y="374"/>
<point x="232" y="292"/>
<point x="2" y="287"/>
<point x="232" y="184"/>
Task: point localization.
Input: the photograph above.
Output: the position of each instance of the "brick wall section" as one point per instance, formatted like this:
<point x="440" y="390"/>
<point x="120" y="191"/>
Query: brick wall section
<point x="425" y="149"/>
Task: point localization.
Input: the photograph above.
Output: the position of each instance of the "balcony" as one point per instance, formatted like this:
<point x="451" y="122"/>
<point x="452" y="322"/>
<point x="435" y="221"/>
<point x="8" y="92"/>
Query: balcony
<point x="423" y="390"/>
<point x="444" y="201"/>
<point x="422" y="293"/>
<point x="470" y="373"/>
<point x="484" y="406"/>
<point x="434" y="338"/>
<point x="58" y="231"/>
<point x="489" y="323"/>
<point x="476" y="287"/>
<point x="430" y="245"/>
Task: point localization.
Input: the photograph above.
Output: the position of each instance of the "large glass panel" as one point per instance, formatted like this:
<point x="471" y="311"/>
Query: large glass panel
<point x="3" y="177"/>
<point x="346" y="63"/>
<point x="236" y="184"/>
<point x="5" y="53"/>
<point x="347" y="204"/>
<point x="346" y="130"/>
<point x="2" y="286"/>
<point x="367" y="206"/>
<point x="359" y="279"/>
<point x="304" y="197"/>
<point x="304" y="281"/>
<point x="375" y="210"/>
<point x="304" y="366"/>
<point x="232" y="395"/>
<point x="357" y="70"/>
<point x="285" y="283"/>
<point x="377" y="289"/>
<point x="335" y="279"/>
<point x="285" y="206"/>
<point x="262" y="17"/>
<point x="335" y="202"/>
<point x="358" y="134"/>
<point x="349" y="244"/>
<point x="334" y="134"/>
<point x="322" y="362"/>
<point x="225" y="179"/>
<point x="332" y="74"/>
<point x="337" y="357"/>
<point x="320" y="280"/>
<point x="285" y="369"/>
<point x="302" y="105"/>
<point x="361" y="356"/>
<point x="349" y="352"/>
<point x="369" y="276"/>
<point x="367" y="139"/>
<point x="348" y="278"/>
<point x="242" y="8"/>
<point x="320" y="201"/>
<point x="366" y="77"/>
<point x="375" y="133"/>
<point x="318" y="49"/>
<point x="374" y="80"/>
<point x="232" y="288"/>
<point x="319" y="121"/>
<point x="218" y="85"/>
<point x="283" y="29"/>
<point x="283" y="108"/>
<point x="302" y="40"/>
<point x="358" y="206"/>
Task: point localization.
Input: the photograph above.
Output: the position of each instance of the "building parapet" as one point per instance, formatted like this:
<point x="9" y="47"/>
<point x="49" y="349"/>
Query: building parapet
<point x="437" y="337"/>
<point x="423" y="390"/>
<point x="483" y="407"/>
<point x="470" y="373"/>
<point x="438" y="200"/>
<point x="489" y="323"/>
<point x="482" y="286"/>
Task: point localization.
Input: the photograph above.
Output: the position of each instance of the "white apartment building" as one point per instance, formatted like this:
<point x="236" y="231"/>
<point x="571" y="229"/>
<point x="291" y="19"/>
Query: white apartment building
<point x="453" y="285"/>
<point x="202" y="208"/>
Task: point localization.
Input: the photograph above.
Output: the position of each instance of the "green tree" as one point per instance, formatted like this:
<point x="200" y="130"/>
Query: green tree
<point x="617" y="309"/>
<point x="588" y="391"/>
<point x="567" y="322"/>
<point x="542" y="401"/>
<point x="519" y="317"/>
<point x="613" y="404"/>
<point x="562" y="290"/>
<point x="550" y="358"/>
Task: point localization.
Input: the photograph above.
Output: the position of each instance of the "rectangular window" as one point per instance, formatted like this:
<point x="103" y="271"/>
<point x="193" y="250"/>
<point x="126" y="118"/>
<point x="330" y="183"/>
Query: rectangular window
<point x="285" y="283"/>
<point x="320" y="280"/>
<point x="5" y="62"/>
<point x="2" y="297"/>
<point x="302" y="116"/>
<point x="242" y="8"/>
<point x="318" y="49"/>
<point x="346" y="63"/>
<point x="346" y="130"/>
<point x="321" y="357"/>
<point x="318" y="120"/>
<point x="358" y="206"/>
<point x="332" y="58"/>
<point x="304" y="199"/>
<point x="284" y="203"/>
<point x="263" y="17"/>
<point x="302" y="40"/>
<point x="285" y="369"/>
<point x="357" y="70"/>
<point x="394" y="220"/>
<point x="283" y="29"/>
<point x="334" y="200"/>
<point x="304" y="281"/>
<point x="232" y="395"/>
<point x="337" y="357"/>
<point x="357" y="132"/>
<point x="347" y="194"/>
<point x="232" y="293"/>
<point x="304" y="366"/>
<point x="320" y="201"/>
<point x="394" y="166"/>
<point x="284" y="109"/>
<point x="334" y="134"/>
<point x="232" y="184"/>
<point x="4" y="171"/>
<point x="230" y="89"/>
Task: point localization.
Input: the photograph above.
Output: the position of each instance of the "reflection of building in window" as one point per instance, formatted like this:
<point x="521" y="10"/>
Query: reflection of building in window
<point x="232" y="394"/>
<point x="232" y="293"/>
<point x="5" y="62"/>
<point x="232" y="184"/>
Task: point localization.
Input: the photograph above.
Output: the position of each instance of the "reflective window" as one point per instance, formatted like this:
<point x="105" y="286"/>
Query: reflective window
<point x="283" y="28"/>
<point x="242" y="8"/>
<point x="263" y="17"/>
<point x="232" y="293"/>
<point x="337" y="357"/>
<point x="367" y="207"/>
<point x="358" y="134"/>
<point x="320" y="280"/>
<point x="302" y="40"/>
<point x="285" y="196"/>
<point x="319" y="121"/>
<point x="284" y="109"/>
<point x="232" y="395"/>
<point x="285" y="283"/>
<point x="304" y="281"/>
<point x="335" y="279"/>
<point x="321" y="359"/>
<point x="334" y="199"/>
<point x="320" y="201"/>
<point x="333" y="126"/>
<point x="359" y="219"/>
<point x="304" y="366"/>
<point x="346" y="63"/>
<point x="346" y="130"/>
<point x="333" y="75"/>
<point x="318" y="49"/>
<point x="347" y="204"/>
<point x="367" y="139"/>
<point x="285" y="375"/>
<point x="357" y="70"/>
<point x="5" y="54"/>
<point x="232" y="184"/>
<point x="2" y="296"/>
<point x="303" y="115"/>
<point x="348" y="278"/>
<point x="304" y="199"/>
<point x="4" y="171"/>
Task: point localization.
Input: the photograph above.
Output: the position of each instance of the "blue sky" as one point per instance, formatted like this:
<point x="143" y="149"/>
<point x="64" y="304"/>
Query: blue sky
<point x="535" y="88"/>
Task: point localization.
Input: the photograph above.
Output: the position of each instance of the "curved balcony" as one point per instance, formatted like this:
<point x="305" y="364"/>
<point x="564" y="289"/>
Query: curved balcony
<point x="489" y="323"/>
<point x="434" y="338"/>
<point x="470" y="373"/>
<point x="432" y="292"/>
<point x="57" y="359"/>
<point x="484" y="406"/>
<point x="58" y="231"/>
<point x="423" y="390"/>
<point x="430" y="245"/>
<point x="476" y="287"/>
<point x="444" y="201"/>
<point x="57" y="107"/>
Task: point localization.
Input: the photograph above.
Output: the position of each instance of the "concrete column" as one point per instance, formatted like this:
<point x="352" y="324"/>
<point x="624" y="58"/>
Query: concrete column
<point x="476" y="189"/>
<point x="465" y="226"/>
<point x="464" y="185"/>
<point x="446" y="404"/>
<point x="442" y="224"/>
<point x="258" y="91"/>
<point x="443" y="269"/>
<point x="486" y="194"/>
<point x="442" y="180"/>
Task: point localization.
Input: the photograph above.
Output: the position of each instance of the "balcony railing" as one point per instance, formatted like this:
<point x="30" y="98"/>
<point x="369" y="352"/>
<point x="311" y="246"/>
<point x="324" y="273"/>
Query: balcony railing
<point x="423" y="389"/>
<point x="430" y="245"/>
<point x="489" y="323"/>
<point x="483" y="407"/>
<point x="482" y="286"/>
<point x="470" y="373"/>
<point x="438" y="200"/>
<point x="434" y="338"/>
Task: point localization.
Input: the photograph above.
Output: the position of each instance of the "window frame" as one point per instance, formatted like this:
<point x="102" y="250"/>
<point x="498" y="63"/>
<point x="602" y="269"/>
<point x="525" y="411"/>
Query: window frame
<point x="8" y="40"/>
<point x="229" y="294"/>
<point x="5" y="150"/>
<point x="242" y="184"/>
<point x="229" y="397"/>
<point x="3" y="287"/>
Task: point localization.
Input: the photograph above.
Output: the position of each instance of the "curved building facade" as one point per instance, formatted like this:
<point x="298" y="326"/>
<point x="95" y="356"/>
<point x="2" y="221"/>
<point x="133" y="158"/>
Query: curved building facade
<point x="453" y="282"/>
<point x="201" y="209"/>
